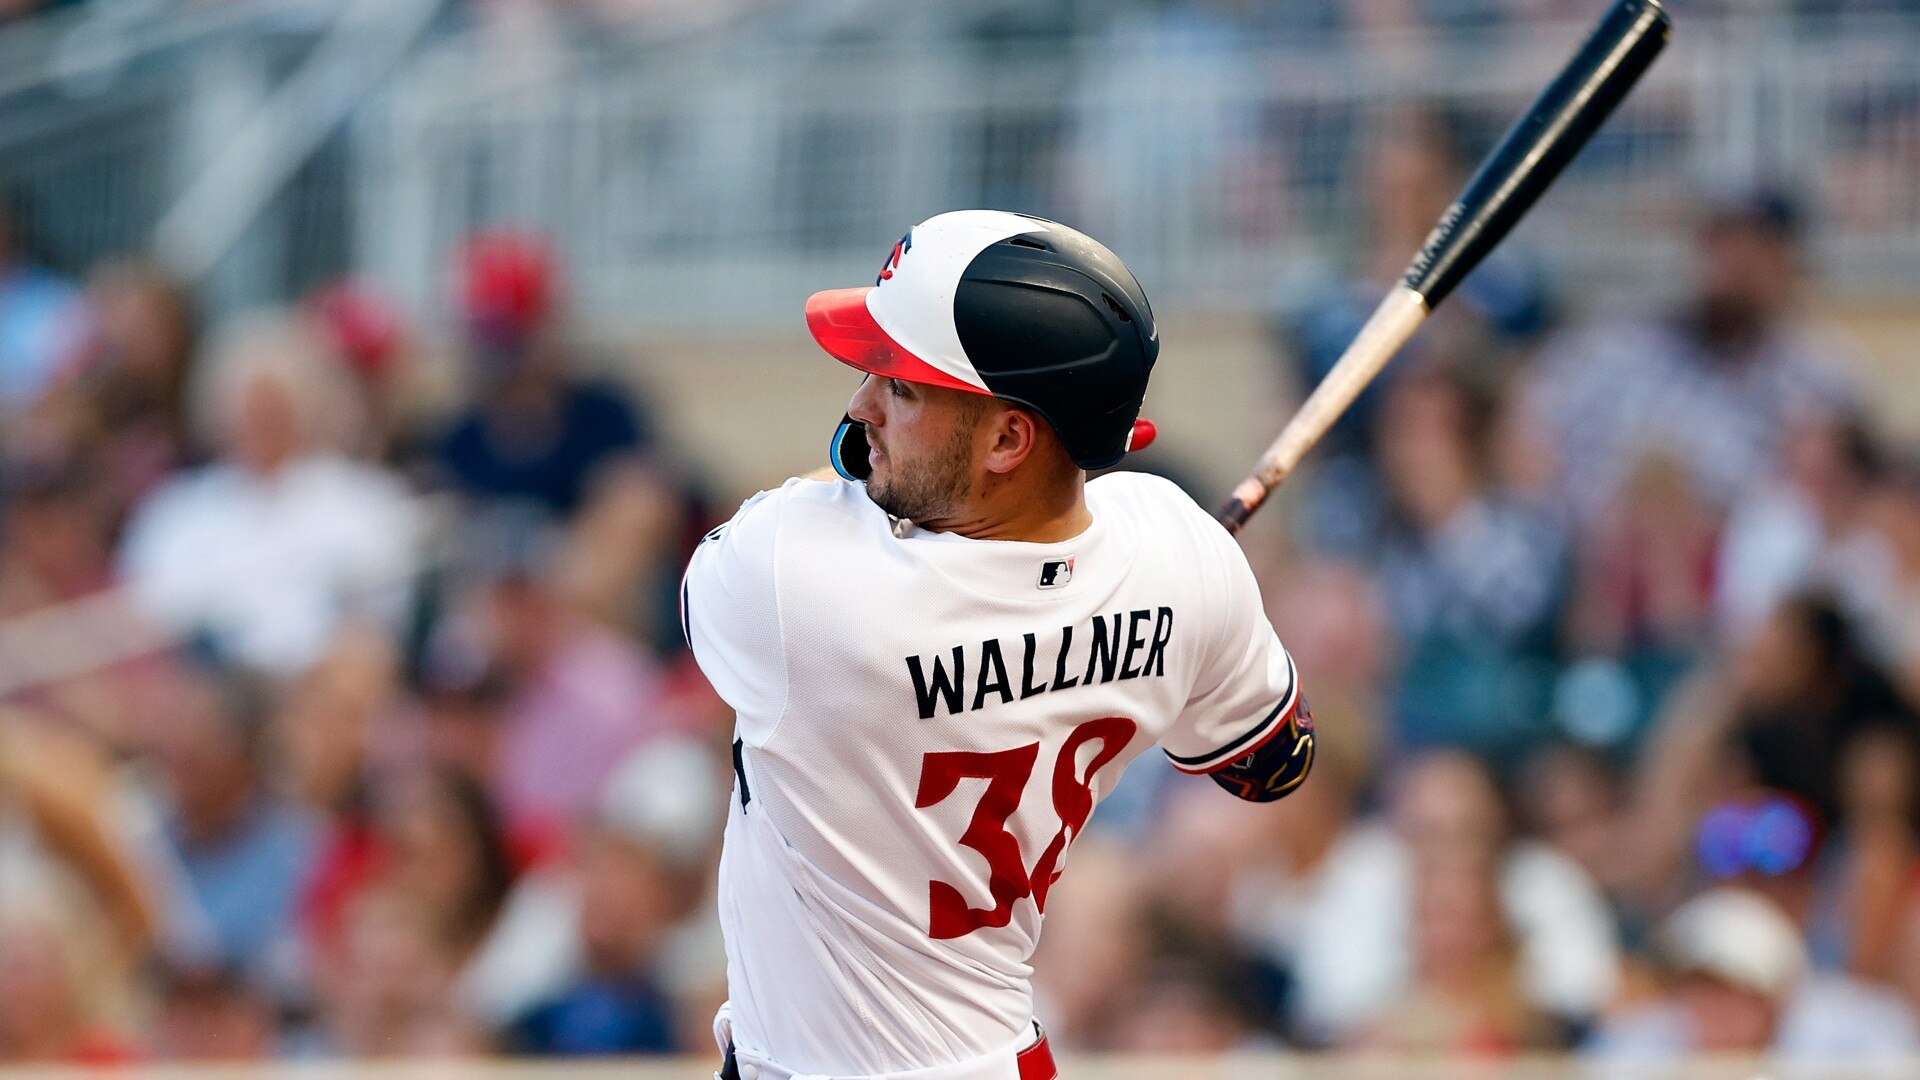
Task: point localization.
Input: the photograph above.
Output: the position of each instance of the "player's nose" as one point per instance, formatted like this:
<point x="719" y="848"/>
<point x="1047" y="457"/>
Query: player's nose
<point x="867" y="402"/>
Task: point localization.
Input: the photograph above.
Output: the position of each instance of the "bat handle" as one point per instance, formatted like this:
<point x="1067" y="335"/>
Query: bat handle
<point x="1388" y="328"/>
<point x="1246" y="499"/>
<point x="1234" y="514"/>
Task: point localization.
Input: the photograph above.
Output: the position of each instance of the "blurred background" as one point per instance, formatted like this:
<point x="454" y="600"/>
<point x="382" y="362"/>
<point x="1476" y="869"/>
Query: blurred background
<point x="368" y="369"/>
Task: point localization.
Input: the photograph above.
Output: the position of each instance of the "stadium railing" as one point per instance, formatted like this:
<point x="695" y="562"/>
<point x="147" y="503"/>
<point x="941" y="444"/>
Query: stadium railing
<point x="707" y="178"/>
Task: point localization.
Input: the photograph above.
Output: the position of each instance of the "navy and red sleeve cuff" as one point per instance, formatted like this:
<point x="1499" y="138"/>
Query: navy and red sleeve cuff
<point x="1271" y="725"/>
<point x="1277" y="767"/>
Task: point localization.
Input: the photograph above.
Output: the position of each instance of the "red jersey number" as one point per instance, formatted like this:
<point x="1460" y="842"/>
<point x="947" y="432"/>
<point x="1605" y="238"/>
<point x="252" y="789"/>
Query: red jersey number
<point x="1006" y="773"/>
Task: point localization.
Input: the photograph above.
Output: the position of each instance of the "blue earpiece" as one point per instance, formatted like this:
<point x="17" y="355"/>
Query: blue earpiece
<point x="848" y="451"/>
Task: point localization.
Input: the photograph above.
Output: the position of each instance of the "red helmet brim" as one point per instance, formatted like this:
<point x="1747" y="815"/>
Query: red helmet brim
<point x="843" y="326"/>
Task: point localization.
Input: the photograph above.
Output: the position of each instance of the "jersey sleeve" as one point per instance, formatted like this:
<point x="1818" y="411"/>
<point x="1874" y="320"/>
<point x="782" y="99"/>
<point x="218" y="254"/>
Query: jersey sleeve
<point x="730" y="614"/>
<point x="1247" y="688"/>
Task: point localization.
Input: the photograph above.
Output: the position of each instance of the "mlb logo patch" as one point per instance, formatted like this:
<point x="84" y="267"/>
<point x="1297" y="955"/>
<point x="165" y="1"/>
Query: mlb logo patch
<point x="1056" y="572"/>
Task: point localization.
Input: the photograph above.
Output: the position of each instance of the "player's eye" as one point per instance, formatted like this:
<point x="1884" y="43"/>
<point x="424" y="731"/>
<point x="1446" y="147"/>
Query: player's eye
<point x="898" y="388"/>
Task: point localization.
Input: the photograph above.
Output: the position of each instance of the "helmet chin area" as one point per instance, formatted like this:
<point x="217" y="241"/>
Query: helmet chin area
<point x="848" y="451"/>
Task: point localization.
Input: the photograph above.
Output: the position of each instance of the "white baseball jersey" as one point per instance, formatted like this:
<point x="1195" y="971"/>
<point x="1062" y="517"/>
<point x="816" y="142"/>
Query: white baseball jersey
<point x="925" y="723"/>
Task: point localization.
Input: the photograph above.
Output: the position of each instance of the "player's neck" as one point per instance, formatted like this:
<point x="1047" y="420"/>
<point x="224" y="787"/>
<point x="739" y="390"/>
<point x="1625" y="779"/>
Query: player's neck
<point x="1033" y="513"/>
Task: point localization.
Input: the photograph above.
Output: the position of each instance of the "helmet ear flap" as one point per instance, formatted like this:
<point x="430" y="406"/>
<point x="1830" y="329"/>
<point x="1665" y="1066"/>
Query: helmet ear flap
<point x="848" y="451"/>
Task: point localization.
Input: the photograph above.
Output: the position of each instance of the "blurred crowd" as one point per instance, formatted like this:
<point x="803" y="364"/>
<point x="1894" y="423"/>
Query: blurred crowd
<point x="403" y="760"/>
<point x="343" y="713"/>
<point x="1613" y="621"/>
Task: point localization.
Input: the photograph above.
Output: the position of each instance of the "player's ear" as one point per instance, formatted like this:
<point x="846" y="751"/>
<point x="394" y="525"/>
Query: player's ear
<point x="1011" y="434"/>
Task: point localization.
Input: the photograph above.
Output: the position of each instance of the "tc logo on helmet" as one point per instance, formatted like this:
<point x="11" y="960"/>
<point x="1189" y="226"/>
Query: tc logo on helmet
<point x="893" y="260"/>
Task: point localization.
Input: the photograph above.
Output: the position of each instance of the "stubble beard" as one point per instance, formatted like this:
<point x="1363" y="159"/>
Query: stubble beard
<point x="930" y="492"/>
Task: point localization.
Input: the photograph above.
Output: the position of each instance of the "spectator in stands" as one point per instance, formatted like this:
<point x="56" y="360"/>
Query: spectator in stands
<point x="636" y="938"/>
<point x="1795" y="532"/>
<point x="1876" y="855"/>
<point x="1712" y="387"/>
<point x="1336" y="626"/>
<point x="212" y="1014"/>
<point x="1195" y="862"/>
<point x="1410" y="162"/>
<point x="1097" y="947"/>
<point x="617" y="1004"/>
<point x="1192" y="1006"/>
<point x="40" y="319"/>
<point x="1466" y="998"/>
<point x="1658" y="428"/>
<point x="536" y="431"/>
<point x="1875" y="576"/>
<point x="1739" y="985"/>
<point x="343" y="719"/>
<point x="461" y="714"/>
<point x="447" y="854"/>
<point x="626" y="551"/>
<point x="368" y="329"/>
<point x="1642" y="602"/>
<point x="268" y="549"/>
<point x="1243" y="880"/>
<point x="341" y="726"/>
<point x="120" y="399"/>
<point x="1574" y="798"/>
<point x="1471" y="576"/>
<point x="1781" y="715"/>
<point x="244" y="851"/>
<point x="1843" y="884"/>
<point x="1803" y="692"/>
<point x="573" y="696"/>
<point x="1357" y="942"/>
<point x="391" y="991"/>
<point x="425" y="887"/>
<point x="54" y="537"/>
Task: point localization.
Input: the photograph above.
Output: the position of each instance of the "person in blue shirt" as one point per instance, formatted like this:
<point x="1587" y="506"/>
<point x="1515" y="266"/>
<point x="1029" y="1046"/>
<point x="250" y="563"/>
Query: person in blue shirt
<point x="41" y="320"/>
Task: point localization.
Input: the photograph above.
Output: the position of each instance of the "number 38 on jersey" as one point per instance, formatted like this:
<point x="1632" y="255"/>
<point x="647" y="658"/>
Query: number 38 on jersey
<point x="1007" y="773"/>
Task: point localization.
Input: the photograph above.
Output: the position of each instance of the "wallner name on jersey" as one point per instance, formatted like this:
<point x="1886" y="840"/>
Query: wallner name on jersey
<point x="924" y="724"/>
<point x="1124" y="645"/>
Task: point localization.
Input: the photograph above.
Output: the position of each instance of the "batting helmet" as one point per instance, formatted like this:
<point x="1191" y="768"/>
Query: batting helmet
<point x="1015" y="307"/>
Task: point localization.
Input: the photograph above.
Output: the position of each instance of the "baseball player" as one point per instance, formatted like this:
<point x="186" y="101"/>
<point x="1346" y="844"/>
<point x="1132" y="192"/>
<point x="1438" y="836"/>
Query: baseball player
<point x="942" y="659"/>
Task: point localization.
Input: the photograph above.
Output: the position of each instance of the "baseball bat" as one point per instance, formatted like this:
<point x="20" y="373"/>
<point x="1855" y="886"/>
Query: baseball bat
<point x="1528" y="159"/>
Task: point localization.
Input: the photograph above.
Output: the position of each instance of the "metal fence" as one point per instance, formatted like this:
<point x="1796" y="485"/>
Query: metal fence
<point x="719" y="184"/>
<point x="120" y="115"/>
<point x="715" y="179"/>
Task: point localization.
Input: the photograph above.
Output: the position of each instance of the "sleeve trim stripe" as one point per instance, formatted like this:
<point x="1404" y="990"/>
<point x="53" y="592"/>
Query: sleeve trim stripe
<point x="686" y="614"/>
<point x="1278" y="720"/>
<point x="1257" y="735"/>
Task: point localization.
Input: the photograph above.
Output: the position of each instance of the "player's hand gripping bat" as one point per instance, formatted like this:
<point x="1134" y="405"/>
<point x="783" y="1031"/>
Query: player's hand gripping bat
<point x="1509" y="181"/>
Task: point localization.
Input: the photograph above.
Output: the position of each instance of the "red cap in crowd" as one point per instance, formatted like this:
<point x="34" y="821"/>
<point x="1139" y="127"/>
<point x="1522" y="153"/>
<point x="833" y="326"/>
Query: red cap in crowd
<point x="365" y="323"/>
<point x="508" y="282"/>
